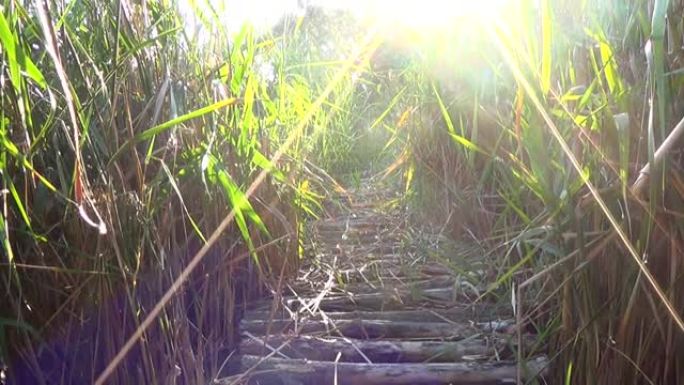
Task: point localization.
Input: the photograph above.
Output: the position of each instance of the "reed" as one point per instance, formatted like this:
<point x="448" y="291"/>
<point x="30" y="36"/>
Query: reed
<point x="139" y="157"/>
<point x="125" y="144"/>
<point x="533" y="156"/>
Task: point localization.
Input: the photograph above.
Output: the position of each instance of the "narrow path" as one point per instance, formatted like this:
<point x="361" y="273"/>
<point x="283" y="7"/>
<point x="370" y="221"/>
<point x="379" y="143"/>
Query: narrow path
<point x="372" y="308"/>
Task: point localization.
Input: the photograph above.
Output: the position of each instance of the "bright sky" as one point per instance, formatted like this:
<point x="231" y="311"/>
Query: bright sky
<point x="423" y="14"/>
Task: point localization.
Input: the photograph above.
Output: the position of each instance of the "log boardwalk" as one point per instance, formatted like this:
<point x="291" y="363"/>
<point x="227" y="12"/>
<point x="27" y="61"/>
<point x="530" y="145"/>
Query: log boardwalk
<point x="373" y="307"/>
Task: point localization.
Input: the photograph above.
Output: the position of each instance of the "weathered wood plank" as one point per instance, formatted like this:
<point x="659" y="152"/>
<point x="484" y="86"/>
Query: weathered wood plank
<point x="387" y="285"/>
<point x="275" y="371"/>
<point x="389" y="300"/>
<point x="399" y="284"/>
<point x="357" y="328"/>
<point x="410" y="327"/>
<point x="388" y="351"/>
<point x="424" y="270"/>
<point x="456" y="314"/>
<point x="400" y="297"/>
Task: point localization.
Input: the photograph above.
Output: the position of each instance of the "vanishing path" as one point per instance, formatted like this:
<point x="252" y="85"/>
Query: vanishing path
<point x="373" y="308"/>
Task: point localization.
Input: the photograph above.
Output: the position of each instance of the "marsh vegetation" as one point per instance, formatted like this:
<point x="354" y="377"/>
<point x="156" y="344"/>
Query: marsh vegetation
<point x="157" y="179"/>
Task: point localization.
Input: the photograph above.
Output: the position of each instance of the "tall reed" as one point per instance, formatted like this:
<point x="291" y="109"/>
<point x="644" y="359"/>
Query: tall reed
<point x="529" y="130"/>
<point x="126" y="140"/>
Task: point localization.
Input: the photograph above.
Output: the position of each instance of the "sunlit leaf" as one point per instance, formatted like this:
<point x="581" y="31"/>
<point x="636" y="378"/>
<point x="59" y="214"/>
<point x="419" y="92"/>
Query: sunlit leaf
<point x="260" y="160"/>
<point x="158" y="129"/>
<point x="547" y="38"/>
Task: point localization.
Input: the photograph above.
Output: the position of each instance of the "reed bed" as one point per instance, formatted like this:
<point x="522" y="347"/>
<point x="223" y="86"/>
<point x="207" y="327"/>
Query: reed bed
<point x="140" y="157"/>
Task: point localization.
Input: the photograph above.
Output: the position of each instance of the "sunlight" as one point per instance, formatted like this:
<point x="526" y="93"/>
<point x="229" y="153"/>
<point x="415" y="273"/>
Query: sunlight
<point x="424" y="15"/>
<point x="262" y="14"/>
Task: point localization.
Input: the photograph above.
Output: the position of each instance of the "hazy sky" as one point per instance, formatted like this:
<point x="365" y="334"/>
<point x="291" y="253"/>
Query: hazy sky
<point x="422" y="14"/>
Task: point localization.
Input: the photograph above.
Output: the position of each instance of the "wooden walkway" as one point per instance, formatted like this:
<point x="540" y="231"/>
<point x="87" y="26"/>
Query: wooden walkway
<point x="371" y="307"/>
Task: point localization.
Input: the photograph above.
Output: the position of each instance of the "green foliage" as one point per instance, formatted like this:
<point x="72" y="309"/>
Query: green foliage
<point x="523" y="130"/>
<point x="125" y="147"/>
<point x="536" y="146"/>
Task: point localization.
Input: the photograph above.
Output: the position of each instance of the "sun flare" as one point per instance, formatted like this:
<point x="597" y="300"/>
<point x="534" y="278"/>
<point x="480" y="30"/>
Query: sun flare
<point x="424" y="15"/>
<point x="428" y="14"/>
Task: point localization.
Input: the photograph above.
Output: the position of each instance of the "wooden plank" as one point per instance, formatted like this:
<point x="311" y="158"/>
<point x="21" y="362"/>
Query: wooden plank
<point x="390" y="299"/>
<point x="388" y="351"/>
<point x="456" y="314"/>
<point x="386" y="285"/>
<point x="399" y="284"/>
<point x="304" y="372"/>
<point x="343" y="223"/>
<point x="361" y="328"/>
